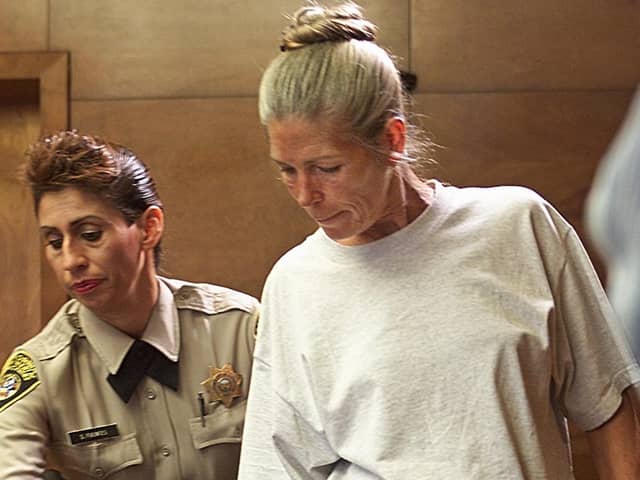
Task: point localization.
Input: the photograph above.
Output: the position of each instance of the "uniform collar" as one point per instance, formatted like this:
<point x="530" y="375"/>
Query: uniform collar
<point x="111" y="344"/>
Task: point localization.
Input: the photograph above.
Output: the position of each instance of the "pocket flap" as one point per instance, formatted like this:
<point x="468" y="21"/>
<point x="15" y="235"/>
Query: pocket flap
<point x="99" y="460"/>
<point x="223" y="425"/>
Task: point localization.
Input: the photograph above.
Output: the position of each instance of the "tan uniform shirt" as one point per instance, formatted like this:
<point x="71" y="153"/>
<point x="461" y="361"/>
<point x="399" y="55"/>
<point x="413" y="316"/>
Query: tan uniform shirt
<point x="56" y="383"/>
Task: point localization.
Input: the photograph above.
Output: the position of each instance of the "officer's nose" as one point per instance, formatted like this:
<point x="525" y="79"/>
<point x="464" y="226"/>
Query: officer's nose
<point x="73" y="257"/>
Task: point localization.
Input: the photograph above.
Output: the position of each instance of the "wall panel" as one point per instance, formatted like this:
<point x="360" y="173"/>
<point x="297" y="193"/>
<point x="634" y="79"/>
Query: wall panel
<point x="202" y="48"/>
<point x="228" y="218"/>
<point x="23" y="25"/>
<point x="551" y="142"/>
<point x="518" y="45"/>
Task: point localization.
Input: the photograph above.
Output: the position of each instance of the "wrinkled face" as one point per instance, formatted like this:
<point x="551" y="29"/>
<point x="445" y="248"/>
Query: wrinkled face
<point x="339" y="183"/>
<point x="96" y="256"/>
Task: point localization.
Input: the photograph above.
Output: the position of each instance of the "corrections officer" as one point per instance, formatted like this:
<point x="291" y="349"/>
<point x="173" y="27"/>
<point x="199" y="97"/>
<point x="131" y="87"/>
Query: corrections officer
<point x="137" y="376"/>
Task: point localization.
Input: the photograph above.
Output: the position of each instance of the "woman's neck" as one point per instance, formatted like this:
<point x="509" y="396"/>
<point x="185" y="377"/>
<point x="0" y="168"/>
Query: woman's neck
<point x="132" y="315"/>
<point x="408" y="198"/>
<point x="418" y="195"/>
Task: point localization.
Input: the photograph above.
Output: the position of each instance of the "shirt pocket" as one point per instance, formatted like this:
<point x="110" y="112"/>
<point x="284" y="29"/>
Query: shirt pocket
<point x="222" y="426"/>
<point x="99" y="460"/>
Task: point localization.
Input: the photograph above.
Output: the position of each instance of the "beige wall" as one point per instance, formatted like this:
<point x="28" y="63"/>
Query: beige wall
<point x="514" y="91"/>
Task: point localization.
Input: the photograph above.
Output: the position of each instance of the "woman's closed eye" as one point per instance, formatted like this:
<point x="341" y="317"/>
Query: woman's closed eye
<point x="332" y="169"/>
<point x="287" y="173"/>
<point x="286" y="170"/>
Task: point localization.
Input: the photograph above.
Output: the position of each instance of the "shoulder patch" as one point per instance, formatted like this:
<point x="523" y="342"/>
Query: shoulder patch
<point x="19" y="377"/>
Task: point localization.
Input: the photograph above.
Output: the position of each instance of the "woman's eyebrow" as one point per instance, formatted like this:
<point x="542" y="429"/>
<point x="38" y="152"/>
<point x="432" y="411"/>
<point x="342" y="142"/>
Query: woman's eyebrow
<point x="87" y="218"/>
<point x="45" y="230"/>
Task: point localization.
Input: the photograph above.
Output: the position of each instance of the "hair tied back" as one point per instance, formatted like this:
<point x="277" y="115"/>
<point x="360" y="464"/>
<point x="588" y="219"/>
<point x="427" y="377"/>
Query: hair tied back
<point x="318" y="24"/>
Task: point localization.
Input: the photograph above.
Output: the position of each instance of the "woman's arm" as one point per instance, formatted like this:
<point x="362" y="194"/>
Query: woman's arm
<point x="615" y="445"/>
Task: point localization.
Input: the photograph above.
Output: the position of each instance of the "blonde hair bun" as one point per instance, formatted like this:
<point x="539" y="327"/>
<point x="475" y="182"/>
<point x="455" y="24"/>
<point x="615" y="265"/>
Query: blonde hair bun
<point x="317" y="24"/>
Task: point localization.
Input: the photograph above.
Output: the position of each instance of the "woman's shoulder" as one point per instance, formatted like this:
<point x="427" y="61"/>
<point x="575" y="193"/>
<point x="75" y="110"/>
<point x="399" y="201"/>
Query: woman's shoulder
<point x="499" y="197"/>
<point x="498" y="201"/>
<point x="505" y="208"/>
<point x="56" y="335"/>
<point x="209" y="298"/>
<point x="300" y="256"/>
<point x="39" y="357"/>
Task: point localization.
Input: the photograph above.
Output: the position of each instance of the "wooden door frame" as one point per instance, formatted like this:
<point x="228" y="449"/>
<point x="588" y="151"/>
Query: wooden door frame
<point x="51" y="69"/>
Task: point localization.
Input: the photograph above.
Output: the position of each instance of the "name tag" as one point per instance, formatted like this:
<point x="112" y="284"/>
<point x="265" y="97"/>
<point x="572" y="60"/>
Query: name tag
<point x="95" y="434"/>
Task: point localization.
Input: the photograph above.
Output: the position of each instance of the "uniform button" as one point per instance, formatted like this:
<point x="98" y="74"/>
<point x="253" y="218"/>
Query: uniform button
<point x="165" y="451"/>
<point x="99" y="472"/>
<point x="151" y="395"/>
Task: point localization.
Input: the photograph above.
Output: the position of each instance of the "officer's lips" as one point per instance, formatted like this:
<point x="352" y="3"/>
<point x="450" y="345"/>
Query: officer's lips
<point x="85" y="286"/>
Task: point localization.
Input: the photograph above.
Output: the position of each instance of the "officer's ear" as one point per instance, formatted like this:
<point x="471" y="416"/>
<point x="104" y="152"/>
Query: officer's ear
<point x="151" y="223"/>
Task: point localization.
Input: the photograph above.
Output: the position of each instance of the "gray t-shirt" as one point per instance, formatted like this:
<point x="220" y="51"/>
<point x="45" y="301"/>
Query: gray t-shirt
<point x="452" y="349"/>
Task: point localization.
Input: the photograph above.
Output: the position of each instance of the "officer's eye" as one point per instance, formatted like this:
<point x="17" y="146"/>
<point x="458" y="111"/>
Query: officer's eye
<point x="92" y="235"/>
<point x="55" y="243"/>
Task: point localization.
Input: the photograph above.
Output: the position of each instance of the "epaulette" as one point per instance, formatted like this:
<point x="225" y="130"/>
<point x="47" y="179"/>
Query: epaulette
<point x="57" y="334"/>
<point x="209" y="299"/>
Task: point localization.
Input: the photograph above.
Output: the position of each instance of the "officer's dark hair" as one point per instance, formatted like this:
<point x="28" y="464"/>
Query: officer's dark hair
<point x="111" y="171"/>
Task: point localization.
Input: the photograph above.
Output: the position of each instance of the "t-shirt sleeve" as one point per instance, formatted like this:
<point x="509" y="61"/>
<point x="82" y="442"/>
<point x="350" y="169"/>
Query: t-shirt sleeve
<point x="593" y="363"/>
<point x="283" y="437"/>
<point x="258" y="458"/>
<point x="278" y="443"/>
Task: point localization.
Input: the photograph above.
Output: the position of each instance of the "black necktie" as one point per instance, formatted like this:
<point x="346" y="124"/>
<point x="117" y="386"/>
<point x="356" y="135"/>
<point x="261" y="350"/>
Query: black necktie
<point x="143" y="359"/>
